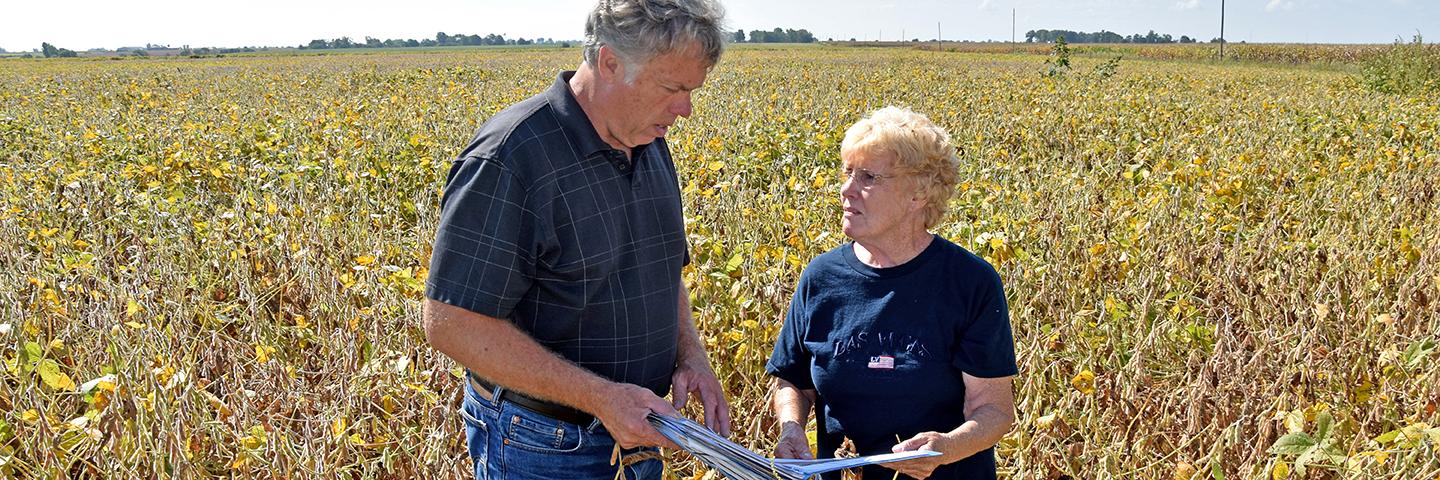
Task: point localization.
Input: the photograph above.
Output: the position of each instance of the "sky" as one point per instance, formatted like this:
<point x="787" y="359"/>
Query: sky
<point x="109" y="24"/>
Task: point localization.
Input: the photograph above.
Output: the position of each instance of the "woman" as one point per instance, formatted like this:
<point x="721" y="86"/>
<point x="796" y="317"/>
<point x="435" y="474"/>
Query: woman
<point x="900" y="340"/>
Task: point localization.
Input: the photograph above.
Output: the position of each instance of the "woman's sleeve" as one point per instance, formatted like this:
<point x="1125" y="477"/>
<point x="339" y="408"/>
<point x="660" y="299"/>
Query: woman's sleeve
<point x="790" y="361"/>
<point x="986" y="347"/>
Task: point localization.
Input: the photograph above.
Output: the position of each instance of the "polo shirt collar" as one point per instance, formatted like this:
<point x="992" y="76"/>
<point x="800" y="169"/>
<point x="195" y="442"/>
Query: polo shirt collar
<point x="572" y="118"/>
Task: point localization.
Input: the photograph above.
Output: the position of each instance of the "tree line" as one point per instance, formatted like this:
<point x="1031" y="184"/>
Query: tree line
<point x="777" y="35"/>
<point x="441" y="39"/>
<point x="1104" y="36"/>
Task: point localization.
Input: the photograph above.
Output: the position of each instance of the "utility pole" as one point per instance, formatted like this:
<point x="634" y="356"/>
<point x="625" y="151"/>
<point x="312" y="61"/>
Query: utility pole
<point x="1012" y="25"/>
<point x="939" y="40"/>
<point x="1222" y="29"/>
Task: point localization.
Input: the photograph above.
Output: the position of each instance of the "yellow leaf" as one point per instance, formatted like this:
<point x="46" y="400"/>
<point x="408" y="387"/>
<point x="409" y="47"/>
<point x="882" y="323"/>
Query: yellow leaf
<point x="1295" y="421"/>
<point x="135" y="325"/>
<point x="30" y="416"/>
<point x="218" y="405"/>
<point x="255" y="439"/>
<point x="338" y="427"/>
<point x="1183" y="471"/>
<point x="1084" y="382"/>
<point x="54" y="378"/>
<point x="263" y="352"/>
<point x="716" y="165"/>
<point x="1281" y="471"/>
<point x="364" y="260"/>
<point x="131" y="308"/>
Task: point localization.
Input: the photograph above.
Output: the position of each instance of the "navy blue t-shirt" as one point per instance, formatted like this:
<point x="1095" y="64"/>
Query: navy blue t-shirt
<point x="884" y="348"/>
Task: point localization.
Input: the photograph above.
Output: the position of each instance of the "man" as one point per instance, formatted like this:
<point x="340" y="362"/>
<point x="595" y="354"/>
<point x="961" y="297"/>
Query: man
<point x="555" y="278"/>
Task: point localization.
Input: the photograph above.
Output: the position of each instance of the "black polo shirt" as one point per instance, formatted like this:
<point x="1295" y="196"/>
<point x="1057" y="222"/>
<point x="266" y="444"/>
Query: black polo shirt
<point x="545" y="225"/>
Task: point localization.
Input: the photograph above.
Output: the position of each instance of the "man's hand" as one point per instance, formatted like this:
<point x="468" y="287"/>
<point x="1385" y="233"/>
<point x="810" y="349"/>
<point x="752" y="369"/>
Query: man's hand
<point x="695" y="377"/>
<point x="793" y="442"/>
<point x="921" y="468"/>
<point x="622" y="407"/>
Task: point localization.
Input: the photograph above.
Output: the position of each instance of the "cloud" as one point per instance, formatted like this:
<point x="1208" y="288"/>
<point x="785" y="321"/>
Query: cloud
<point x="1187" y="4"/>
<point x="985" y="4"/>
<point x="1274" y="5"/>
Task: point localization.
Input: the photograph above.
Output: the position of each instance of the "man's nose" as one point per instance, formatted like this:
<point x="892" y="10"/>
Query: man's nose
<point x="682" y="107"/>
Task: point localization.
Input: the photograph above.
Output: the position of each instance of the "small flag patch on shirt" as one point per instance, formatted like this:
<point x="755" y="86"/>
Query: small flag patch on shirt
<point x="884" y="361"/>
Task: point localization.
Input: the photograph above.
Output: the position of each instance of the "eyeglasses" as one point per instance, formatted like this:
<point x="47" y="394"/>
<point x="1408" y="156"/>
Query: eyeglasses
<point x="864" y="177"/>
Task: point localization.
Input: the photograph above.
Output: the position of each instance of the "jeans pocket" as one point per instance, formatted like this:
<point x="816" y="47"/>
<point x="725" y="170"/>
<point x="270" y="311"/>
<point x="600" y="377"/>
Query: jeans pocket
<point x="528" y="430"/>
<point x="473" y="414"/>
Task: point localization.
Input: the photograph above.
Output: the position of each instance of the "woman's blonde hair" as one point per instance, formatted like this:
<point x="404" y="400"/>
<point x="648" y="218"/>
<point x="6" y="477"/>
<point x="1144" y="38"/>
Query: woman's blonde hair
<point x="920" y="148"/>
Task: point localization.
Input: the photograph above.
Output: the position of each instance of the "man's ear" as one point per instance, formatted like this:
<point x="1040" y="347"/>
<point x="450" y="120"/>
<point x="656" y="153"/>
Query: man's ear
<point x="610" y="67"/>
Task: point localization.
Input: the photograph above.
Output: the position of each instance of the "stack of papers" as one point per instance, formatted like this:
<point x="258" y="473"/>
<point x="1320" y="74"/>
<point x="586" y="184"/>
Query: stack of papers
<point x="738" y="463"/>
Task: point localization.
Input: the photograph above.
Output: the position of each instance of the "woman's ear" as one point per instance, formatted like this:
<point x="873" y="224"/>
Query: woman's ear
<point x="918" y="200"/>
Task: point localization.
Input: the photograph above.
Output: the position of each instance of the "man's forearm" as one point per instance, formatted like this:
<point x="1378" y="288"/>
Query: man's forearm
<point x="501" y="353"/>
<point x="688" y="347"/>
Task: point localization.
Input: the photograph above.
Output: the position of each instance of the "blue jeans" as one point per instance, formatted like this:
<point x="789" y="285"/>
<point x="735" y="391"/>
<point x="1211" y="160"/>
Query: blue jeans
<point x="510" y="442"/>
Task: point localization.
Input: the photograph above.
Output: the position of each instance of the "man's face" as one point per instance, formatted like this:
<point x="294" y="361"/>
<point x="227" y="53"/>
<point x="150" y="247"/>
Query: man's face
<point x="647" y="107"/>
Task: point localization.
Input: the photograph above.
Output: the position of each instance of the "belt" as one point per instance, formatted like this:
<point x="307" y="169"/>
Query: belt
<point x="549" y="409"/>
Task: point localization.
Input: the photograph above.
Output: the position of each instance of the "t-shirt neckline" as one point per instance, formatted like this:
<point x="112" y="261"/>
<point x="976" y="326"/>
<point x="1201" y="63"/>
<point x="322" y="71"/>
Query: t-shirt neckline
<point x="890" y="272"/>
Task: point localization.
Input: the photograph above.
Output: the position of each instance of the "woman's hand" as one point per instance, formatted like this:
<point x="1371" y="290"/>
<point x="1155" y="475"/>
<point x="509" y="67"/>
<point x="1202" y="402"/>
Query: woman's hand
<point x="793" y="442"/>
<point x="922" y="467"/>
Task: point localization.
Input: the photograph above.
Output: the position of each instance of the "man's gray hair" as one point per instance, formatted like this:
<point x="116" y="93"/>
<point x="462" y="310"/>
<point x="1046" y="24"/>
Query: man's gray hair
<point x="639" y="30"/>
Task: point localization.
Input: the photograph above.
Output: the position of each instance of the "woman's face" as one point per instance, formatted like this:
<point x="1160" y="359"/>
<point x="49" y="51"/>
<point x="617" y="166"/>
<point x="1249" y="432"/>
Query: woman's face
<point x="877" y="200"/>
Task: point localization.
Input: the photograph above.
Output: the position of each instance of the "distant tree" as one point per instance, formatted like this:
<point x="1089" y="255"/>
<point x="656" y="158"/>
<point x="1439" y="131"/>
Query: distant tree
<point x="738" y="37"/>
<point x="318" y="44"/>
<point x="1106" y="36"/>
<point x="51" y="51"/>
<point x="2" y="50"/>
<point x="1186" y="39"/>
<point x="442" y="39"/>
